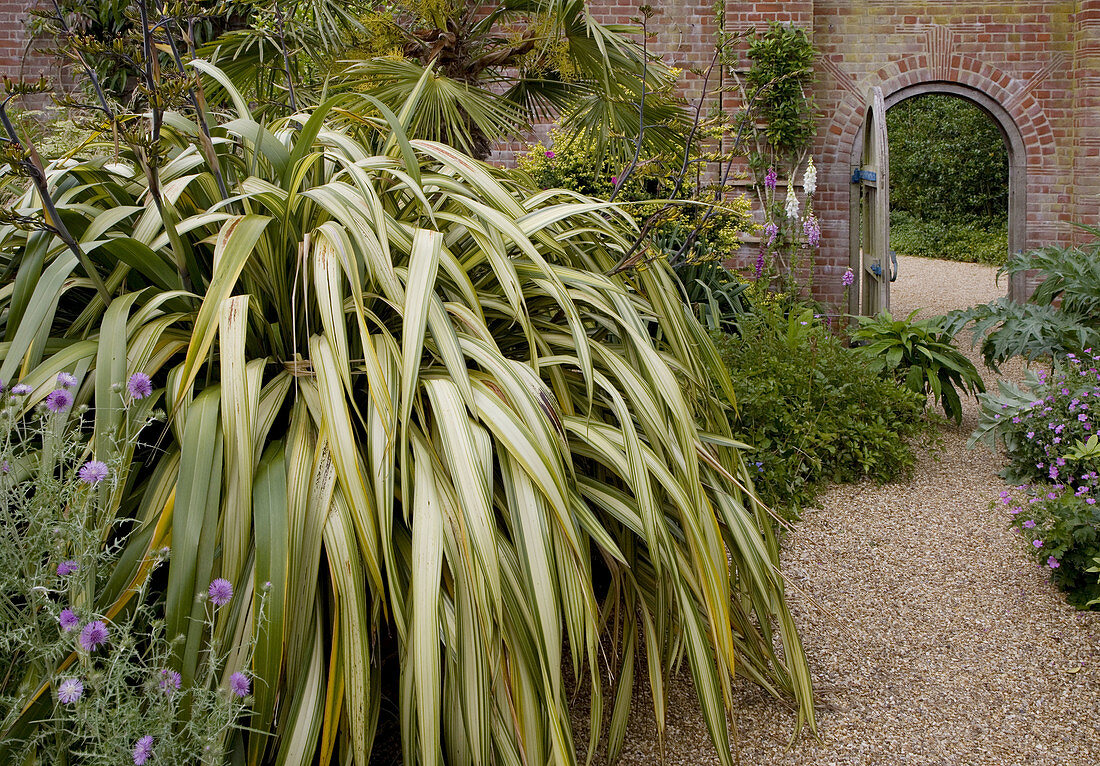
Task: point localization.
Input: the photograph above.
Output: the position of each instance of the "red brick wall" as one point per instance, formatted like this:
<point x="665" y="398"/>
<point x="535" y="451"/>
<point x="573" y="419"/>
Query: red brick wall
<point x="1024" y="55"/>
<point x="1084" y="133"/>
<point x="21" y="57"/>
<point x="1039" y="60"/>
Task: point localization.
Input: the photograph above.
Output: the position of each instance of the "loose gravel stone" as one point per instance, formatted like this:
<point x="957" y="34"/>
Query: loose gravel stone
<point x="932" y="636"/>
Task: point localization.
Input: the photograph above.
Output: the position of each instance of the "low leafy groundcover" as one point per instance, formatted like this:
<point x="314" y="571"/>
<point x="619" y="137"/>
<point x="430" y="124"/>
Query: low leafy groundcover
<point x="815" y="411"/>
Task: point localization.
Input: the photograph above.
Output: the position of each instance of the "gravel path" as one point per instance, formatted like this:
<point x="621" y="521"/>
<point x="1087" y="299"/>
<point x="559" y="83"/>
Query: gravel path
<point x="934" y="638"/>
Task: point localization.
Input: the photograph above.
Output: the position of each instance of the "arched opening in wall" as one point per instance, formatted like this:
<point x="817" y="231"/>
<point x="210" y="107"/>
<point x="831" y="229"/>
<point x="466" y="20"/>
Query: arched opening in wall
<point x="957" y="190"/>
<point x="949" y="188"/>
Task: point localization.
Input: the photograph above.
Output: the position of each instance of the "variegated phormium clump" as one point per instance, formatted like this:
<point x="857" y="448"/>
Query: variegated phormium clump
<point x="414" y="398"/>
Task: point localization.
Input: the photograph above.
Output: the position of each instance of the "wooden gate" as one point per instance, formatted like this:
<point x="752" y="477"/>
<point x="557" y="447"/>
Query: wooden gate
<point x="870" y="219"/>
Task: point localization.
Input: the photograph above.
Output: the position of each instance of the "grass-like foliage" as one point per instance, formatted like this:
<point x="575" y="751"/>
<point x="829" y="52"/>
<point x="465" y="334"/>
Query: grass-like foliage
<point x="401" y="390"/>
<point x="815" y="411"/>
<point x="920" y="354"/>
<point x="1062" y="316"/>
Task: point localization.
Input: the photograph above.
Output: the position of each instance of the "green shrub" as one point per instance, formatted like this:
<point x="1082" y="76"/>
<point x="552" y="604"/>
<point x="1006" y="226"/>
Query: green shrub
<point x="920" y="354"/>
<point x="713" y="293"/>
<point x="814" y="411"/>
<point x="572" y="162"/>
<point x="948" y="159"/>
<point x="971" y="242"/>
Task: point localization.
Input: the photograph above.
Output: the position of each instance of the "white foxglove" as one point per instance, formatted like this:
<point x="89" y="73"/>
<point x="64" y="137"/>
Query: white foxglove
<point x="792" y="203"/>
<point x="809" y="180"/>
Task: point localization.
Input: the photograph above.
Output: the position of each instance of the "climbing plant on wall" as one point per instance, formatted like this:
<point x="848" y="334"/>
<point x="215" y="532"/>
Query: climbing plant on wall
<point x="778" y="127"/>
<point x="777" y="81"/>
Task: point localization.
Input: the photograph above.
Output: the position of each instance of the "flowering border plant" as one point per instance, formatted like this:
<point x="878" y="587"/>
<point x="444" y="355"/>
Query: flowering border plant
<point x="1048" y="429"/>
<point x="1061" y="523"/>
<point x="1043" y="421"/>
<point x="92" y="680"/>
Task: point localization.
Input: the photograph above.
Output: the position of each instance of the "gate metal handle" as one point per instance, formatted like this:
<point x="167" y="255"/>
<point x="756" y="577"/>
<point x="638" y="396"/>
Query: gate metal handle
<point x="877" y="270"/>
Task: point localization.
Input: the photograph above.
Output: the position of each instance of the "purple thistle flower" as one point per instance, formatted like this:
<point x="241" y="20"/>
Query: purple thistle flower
<point x="139" y="385"/>
<point x="69" y="690"/>
<point x="812" y="229"/>
<point x="66" y="568"/>
<point x="58" y="400"/>
<point x="169" y="681"/>
<point x="239" y="684"/>
<point x="68" y="620"/>
<point x="221" y="591"/>
<point x="21" y="389"/>
<point x="143" y="748"/>
<point x="771" y="178"/>
<point x="68" y="380"/>
<point x="1053" y="563"/>
<point x="93" y="472"/>
<point x="849" y="278"/>
<point x="94" y="634"/>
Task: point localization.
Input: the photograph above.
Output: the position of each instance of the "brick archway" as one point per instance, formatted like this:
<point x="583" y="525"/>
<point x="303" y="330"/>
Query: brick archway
<point x="1027" y="133"/>
<point x="1032" y="65"/>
